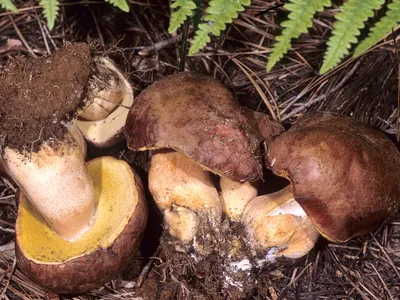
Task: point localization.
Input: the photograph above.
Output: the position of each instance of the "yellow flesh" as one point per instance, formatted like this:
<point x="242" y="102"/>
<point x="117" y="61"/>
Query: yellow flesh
<point x="116" y="197"/>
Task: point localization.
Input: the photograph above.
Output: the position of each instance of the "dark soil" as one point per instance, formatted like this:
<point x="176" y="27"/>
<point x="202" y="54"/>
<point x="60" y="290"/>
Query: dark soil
<point x="221" y="265"/>
<point x="37" y="95"/>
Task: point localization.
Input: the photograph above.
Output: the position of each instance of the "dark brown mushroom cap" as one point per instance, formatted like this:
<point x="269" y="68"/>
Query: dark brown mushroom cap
<point x="263" y="126"/>
<point x="194" y="114"/>
<point x="344" y="174"/>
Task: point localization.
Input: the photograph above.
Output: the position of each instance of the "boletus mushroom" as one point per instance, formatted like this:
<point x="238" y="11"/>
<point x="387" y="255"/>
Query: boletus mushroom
<point x="343" y="173"/>
<point x="103" y="251"/>
<point x="205" y="130"/>
<point x="72" y="216"/>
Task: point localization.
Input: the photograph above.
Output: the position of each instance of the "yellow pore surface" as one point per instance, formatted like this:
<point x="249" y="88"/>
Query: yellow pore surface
<point x="116" y="199"/>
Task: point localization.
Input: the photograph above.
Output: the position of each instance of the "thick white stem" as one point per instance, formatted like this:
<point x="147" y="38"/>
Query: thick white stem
<point x="184" y="191"/>
<point x="277" y="221"/>
<point x="56" y="181"/>
<point x="235" y="196"/>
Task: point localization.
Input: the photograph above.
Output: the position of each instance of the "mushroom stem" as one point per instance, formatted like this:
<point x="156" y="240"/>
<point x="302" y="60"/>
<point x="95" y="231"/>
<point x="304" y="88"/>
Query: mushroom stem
<point x="277" y="221"/>
<point x="56" y="182"/>
<point x="235" y="196"/>
<point x="185" y="192"/>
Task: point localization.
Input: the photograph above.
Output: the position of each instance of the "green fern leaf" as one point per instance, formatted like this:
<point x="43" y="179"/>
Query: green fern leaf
<point x="186" y="8"/>
<point x="346" y="29"/>
<point x="8" y="5"/>
<point x="121" y="4"/>
<point x="382" y="28"/>
<point x="50" y="11"/>
<point x="300" y="19"/>
<point x="219" y="13"/>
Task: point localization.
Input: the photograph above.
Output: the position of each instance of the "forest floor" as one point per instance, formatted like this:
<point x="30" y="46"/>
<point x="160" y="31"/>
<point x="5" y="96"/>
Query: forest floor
<point x="366" y="88"/>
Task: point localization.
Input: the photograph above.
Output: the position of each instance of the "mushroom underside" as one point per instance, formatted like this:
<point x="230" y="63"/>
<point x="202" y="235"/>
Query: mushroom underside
<point x="103" y="251"/>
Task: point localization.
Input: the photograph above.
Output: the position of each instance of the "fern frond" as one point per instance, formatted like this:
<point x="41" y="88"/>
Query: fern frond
<point x="186" y="8"/>
<point x="121" y="4"/>
<point x="219" y="13"/>
<point x="50" y="11"/>
<point x="346" y="29"/>
<point x="300" y="19"/>
<point x="8" y="5"/>
<point x="381" y="28"/>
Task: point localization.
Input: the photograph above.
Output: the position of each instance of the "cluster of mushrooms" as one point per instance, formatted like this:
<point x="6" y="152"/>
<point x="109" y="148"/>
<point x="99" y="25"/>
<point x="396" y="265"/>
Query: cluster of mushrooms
<point x="80" y="222"/>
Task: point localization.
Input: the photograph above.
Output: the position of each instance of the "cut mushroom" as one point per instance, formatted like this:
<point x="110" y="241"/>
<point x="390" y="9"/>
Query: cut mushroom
<point x="106" y="90"/>
<point x="57" y="183"/>
<point x="277" y="221"/>
<point x="344" y="174"/>
<point x="103" y="251"/>
<point x="105" y="126"/>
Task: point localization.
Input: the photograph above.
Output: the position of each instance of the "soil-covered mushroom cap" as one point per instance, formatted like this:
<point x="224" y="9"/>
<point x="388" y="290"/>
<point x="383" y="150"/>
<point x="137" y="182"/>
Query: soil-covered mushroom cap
<point x="196" y="115"/>
<point x="103" y="251"/>
<point x="344" y="174"/>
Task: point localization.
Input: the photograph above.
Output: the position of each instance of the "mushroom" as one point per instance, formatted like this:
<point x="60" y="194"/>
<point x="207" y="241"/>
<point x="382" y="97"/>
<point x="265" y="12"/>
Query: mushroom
<point x="101" y="253"/>
<point x="197" y="118"/>
<point x="72" y="216"/>
<point x="344" y="174"/>
<point x="343" y="183"/>
<point x="236" y="195"/>
<point x="277" y="223"/>
<point x="102" y="118"/>
<point x="184" y="191"/>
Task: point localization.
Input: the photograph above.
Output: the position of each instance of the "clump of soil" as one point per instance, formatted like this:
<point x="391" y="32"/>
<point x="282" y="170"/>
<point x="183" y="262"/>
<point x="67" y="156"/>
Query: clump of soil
<point x="37" y="95"/>
<point x="220" y="264"/>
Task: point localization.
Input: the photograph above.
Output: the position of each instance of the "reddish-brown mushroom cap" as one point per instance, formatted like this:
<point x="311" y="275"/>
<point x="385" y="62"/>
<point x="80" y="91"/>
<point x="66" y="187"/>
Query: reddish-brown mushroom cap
<point x="263" y="126"/>
<point x="344" y="174"/>
<point x="196" y="115"/>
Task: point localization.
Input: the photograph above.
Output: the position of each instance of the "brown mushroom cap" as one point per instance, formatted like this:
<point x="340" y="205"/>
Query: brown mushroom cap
<point x="103" y="251"/>
<point x="263" y="126"/>
<point x="344" y="174"/>
<point x="194" y="114"/>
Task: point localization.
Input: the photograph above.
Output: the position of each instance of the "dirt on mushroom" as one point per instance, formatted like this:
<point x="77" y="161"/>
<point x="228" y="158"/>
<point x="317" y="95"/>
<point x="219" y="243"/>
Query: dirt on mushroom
<point x="186" y="274"/>
<point x="38" y="94"/>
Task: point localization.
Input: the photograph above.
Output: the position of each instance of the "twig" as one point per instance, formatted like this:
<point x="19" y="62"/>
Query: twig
<point x="387" y="256"/>
<point x="256" y="86"/>
<point x="43" y="34"/>
<point x="159" y="45"/>
<point x="9" y="279"/>
<point x="381" y="279"/>
<point x="21" y="37"/>
<point x="183" y="54"/>
<point x="146" y="269"/>
<point x="324" y="96"/>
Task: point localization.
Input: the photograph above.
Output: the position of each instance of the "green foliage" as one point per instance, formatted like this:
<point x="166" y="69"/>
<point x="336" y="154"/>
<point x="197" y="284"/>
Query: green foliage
<point x="346" y="29"/>
<point x="300" y="19"/>
<point x="121" y="4"/>
<point x="7" y="4"/>
<point x="186" y="8"/>
<point x="51" y="8"/>
<point x="382" y="28"/>
<point x="50" y="11"/>
<point x="218" y="14"/>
